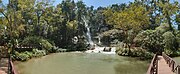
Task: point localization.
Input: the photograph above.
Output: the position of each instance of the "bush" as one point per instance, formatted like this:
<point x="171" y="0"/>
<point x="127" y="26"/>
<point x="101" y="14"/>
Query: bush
<point x="178" y="38"/>
<point x="38" y="53"/>
<point x="22" y="56"/>
<point x="38" y="41"/>
<point x="31" y="40"/>
<point x="170" y="43"/>
<point x="141" y="37"/>
<point x="150" y="39"/>
<point x="80" y="46"/>
<point x="134" y="52"/>
<point x="164" y="27"/>
<point x="46" y="45"/>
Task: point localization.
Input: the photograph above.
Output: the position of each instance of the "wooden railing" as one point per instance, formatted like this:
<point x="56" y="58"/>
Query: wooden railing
<point x="11" y="69"/>
<point x="172" y="64"/>
<point x="153" y="67"/>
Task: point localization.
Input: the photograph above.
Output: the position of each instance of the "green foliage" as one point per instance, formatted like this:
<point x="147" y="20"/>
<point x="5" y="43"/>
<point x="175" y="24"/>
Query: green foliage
<point x="150" y="39"/>
<point x="22" y="56"/>
<point x="171" y="44"/>
<point x="46" y="45"/>
<point x="158" y="40"/>
<point x="134" y="17"/>
<point x="38" y="41"/>
<point x="178" y="38"/>
<point x="34" y="40"/>
<point x="80" y="46"/>
<point x="134" y="52"/>
<point x="178" y="20"/>
<point x="164" y="27"/>
<point x="112" y="35"/>
<point x="169" y="41"/>
<point x="38" y="53"/>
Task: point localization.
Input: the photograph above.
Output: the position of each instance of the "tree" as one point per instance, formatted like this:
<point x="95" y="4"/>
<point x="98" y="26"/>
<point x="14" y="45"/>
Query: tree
<point x="178" y="20"/>
<point x="80" y="12"/>
<point x="134" y="18"/>
<point x="170" y="44"/>
<point x="167" y="11"/>
<point x="150" y="39"/>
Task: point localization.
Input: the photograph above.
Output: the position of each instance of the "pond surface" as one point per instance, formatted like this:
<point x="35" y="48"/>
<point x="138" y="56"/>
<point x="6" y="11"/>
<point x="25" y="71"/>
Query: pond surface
<point x="83" y="63"/>
<point x="177" y="59"/>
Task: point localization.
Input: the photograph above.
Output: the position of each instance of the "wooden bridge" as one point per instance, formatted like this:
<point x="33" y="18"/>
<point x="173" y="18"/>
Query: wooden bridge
<point x="163" y="64"/>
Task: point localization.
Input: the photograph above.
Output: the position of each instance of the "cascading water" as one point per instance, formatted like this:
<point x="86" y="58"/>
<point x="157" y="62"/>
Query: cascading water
<point x="96" y="48"/>
<point x="88" y="32"/>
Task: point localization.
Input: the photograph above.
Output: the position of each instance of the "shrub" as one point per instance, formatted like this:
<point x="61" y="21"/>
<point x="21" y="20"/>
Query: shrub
<point x="38" y="41"/>
<point x="150" y="39"/>
<point x="178" y="38"/>
<point x="164" y="27"/>
<point x="169" y="41"/>
<point x="122" y="51"/>
<point x="22" y="56"/>
<point x="31" y="40"/>
<point x="134" y="52"/>
<point x="38" y="53"/>
<point x="46" y="45"/>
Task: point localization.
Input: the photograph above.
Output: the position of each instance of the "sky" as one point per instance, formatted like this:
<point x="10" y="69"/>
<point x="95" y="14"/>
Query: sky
<point x="97" y="3"/>
<point x="103" y="3"/>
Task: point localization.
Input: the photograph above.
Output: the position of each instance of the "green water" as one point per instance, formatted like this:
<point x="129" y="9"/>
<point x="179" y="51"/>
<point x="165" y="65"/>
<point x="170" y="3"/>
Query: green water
<point x="83" y="63"/>
<point x="177" y="59"/>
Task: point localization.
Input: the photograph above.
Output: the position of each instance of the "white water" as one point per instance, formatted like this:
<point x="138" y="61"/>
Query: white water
<point x="100" y="50"/>
<point x="88" y="32"/>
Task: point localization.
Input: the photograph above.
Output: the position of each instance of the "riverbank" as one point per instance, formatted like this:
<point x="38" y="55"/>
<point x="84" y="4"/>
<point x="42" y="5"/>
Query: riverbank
<point x="135" y="52"/>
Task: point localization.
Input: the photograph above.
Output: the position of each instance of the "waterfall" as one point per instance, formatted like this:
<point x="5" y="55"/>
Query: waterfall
<point x="104" y="50"/>
<point x="88" y="34"/>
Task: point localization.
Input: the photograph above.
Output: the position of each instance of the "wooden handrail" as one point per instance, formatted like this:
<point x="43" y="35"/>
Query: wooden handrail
<point x="172" y="64"/>
<point x="153" y="66"/>
<point x="13" y="70"/>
